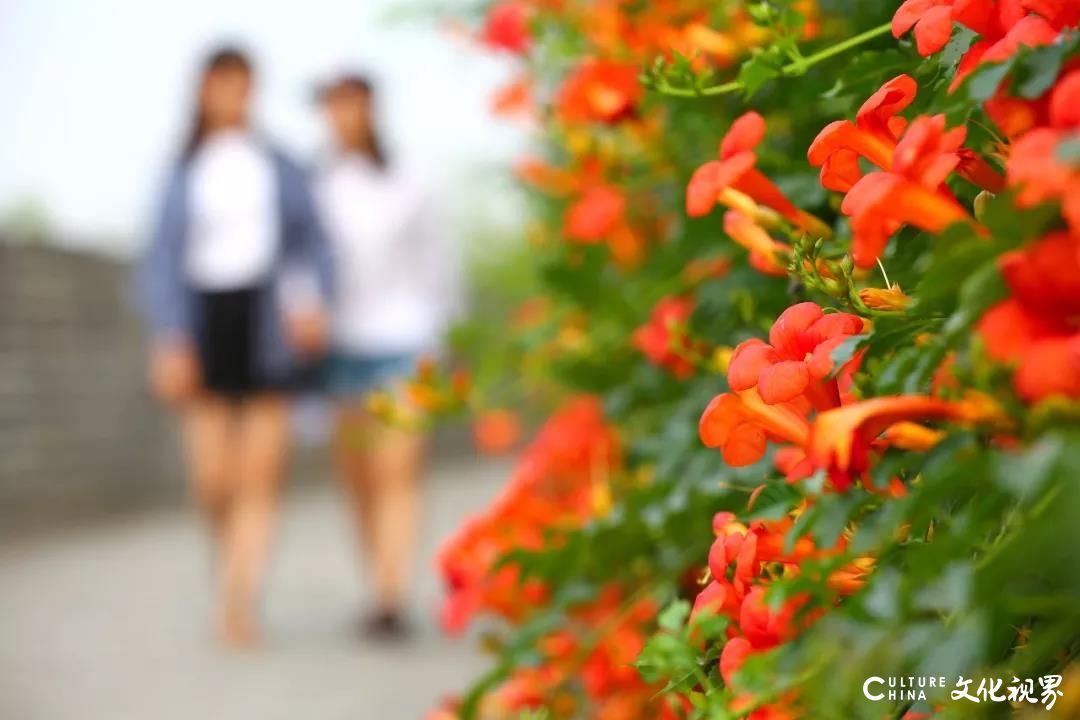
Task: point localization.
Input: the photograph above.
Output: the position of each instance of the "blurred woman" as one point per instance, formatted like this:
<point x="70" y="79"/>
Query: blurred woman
<point x="397" y="282"/>
<point x="236" y="226"/>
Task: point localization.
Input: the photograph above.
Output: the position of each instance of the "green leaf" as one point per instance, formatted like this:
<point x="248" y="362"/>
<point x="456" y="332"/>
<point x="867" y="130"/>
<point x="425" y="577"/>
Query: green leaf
<point x="846" y="350"/>
<point x="673" y="617"/>
<point x="982" y="85"/>
<point x="1025" y="473"/>
<point x="1039" y="68"/>
<point x="950" y="592"/>
<point x="1068" y="150"/>
<point x="762" y="67"/>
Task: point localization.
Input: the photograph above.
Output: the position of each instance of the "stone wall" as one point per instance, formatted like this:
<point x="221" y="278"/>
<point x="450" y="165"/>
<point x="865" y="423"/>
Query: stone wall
<point x="80" y="435"/>
<point x="79" y="432"/>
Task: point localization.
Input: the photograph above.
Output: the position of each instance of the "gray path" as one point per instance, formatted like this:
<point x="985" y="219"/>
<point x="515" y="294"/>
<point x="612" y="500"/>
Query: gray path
<point x="109" y="622"/>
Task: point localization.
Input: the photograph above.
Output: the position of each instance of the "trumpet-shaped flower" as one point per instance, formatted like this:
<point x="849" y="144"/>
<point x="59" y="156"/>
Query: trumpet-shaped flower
<point x="745" y="549"/>
<point x="924" y="151"/>
<point x="892" y="298"/>
<point x="841" y="439"/>
<point x="599" y="91"/>
<point x="998" y="45"/>
<point x="927" y="152"/>
<point x="1008" y="328"/>
<point x="1035" y="165"/>
<point x="507" y="26"/>
<point x="1050" y="367"/>
<point x="664" y="339"/>
<point x="596" y="214"/>
<point x="910" y="192"/>
<point x="741" y="560"/>
<point x="932" y="20"/>
<point x="1059" y="13"/>
<point x="732" y="657"/>
<point x="1045" y="276"/>
<point x="797" y="360"/>
<point x="792" y="461"/>
<point x="872" y="136"/>
<point x="1003" y="26"/>
<point x="551" y="487"/>
<point x="764" y="249"/>
<point x="735" y="181"/>
<point x="741" y="424"/>
<point x="880" y="203"/>
<point x="1037" y="328"/>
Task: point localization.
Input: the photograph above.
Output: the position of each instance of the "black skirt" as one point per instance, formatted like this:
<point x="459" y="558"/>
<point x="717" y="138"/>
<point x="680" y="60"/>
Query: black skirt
<point x="228" y="343"/>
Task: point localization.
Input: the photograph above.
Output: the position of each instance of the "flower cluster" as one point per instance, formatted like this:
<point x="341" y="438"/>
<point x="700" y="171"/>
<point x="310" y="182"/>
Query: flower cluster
<point x="876" y="462"/>
<point x="788" y="390"/>
<point x="559" y="482"/>
<point x="743" y="561"/>
<point x="664" y="339"/>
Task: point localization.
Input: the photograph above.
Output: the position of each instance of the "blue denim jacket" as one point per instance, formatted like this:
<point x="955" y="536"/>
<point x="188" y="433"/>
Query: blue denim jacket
<point x="170" y="303"/>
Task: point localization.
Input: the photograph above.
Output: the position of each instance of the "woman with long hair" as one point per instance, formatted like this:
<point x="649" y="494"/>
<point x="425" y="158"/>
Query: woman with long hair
<point x="396" y="275"/>
<point x="234" y="284"/>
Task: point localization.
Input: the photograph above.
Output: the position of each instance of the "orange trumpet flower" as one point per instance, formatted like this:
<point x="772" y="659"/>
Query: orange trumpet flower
<point x="932" y="20"/>
<point x="1037" y="328"/>
<point x="872" y="136"/>
<point x="1002" y="26"/>
<point x="927" y="152"/>
<point x="797" y="360"/>
<point x="892" y="298"/>
<point x="552" y="180"/>
<point x="740" y="424"/>
<point x="1034" y="164"/>
<point x="595" y="215"/>
<point x="734" y="181"/>
<point x="599" y="91"/>
<point x="840" y="439"/>
<point x="1003" y="40"/>
<point x="763" y="248"/>
<point x="507" y="27"/>
<point x="664" y="339"/>
<point x="910" y="191"/>
<point x="882" y="202"/>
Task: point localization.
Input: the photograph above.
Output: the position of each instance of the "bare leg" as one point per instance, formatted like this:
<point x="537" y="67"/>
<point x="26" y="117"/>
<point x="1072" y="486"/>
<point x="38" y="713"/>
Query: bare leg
<point x="353" y="438"/>
<point x="394" y="463"/>
<point x="208" y="426"/>
<point x="382" y="466"/>
<point x="261" y="447"/>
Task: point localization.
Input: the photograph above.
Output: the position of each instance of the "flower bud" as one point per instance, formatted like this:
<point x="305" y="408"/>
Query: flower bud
<point x="980" y="204"/>
<point x="884" y="298"/>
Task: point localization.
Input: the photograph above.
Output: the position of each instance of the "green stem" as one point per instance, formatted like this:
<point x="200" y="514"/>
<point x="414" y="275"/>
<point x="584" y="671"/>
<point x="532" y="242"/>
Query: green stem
<point x="702" y="92"/>
<point x="798" y="67"/>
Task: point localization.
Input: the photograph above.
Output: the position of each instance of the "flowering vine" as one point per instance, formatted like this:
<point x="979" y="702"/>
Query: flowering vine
<point x="817" y="275"/>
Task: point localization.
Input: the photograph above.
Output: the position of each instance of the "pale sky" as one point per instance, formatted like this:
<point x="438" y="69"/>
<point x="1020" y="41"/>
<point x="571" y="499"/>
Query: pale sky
<point x="96" y="97"/>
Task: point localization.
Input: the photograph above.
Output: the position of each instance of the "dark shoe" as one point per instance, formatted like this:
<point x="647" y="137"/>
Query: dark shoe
<point x="387" y="626"/>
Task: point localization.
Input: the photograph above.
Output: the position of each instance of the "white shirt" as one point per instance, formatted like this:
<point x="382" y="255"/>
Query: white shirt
<point x="397" y="285"/>
<point x="234" y="232"/>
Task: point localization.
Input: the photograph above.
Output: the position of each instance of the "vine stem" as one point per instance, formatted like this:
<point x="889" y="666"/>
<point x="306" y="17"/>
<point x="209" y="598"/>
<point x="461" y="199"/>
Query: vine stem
<point x="799" y="66"/>
<point x="792" y="69"/>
